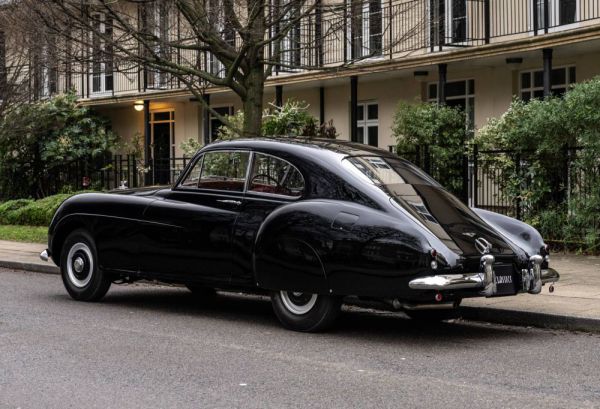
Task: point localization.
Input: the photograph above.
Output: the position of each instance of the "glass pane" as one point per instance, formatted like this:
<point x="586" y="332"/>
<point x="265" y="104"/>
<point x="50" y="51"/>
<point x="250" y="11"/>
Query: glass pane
<point x="432" y="91"/>
<point x="191" y="180"/>
<point x="558" y="92"/>
<point x="373" y="135"/>
<point x="224" y="171"/>
<point x="373" y="111"/>
<point x="526" y="80"/>
<point x="162" y="116"/>
<point x="572" y="75"/>
<point x="456" y="88"/>
<point x="526" y="96"/>
<point x="559" y="76"/>
<point x="360" y="133"/>
<point x="538" y="78"/>
<point x="275" y="176"/>
<point x="360" y="113"/>
<point x="471" y="87"/>
<point x="567" y="11"/>
<point x="539" y="94"/>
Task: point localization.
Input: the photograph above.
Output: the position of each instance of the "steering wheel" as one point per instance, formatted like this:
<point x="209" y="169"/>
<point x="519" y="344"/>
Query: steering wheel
<point x="268" y="177"/>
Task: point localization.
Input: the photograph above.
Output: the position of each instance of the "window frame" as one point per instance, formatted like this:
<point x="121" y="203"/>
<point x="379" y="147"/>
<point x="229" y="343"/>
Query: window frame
<point x="367" y="123"/>
<point x="532" y="88"/>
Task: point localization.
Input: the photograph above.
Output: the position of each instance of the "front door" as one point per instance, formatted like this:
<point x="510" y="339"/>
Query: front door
<point x="163" y="136"/>
<point x="188" y="231"/>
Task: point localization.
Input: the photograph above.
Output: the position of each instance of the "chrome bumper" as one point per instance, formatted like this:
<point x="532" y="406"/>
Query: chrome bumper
<point x="44" y="256"/>
<point x="532" y="278"/>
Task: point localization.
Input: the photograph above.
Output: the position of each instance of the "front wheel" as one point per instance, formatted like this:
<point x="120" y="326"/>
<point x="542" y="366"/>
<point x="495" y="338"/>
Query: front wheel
<point x="81" y="274"/>
<point x="305" y="312"/>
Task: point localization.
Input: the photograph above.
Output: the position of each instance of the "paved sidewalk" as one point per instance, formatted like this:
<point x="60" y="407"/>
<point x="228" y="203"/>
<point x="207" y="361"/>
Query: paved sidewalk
<point x="575" y="303"/>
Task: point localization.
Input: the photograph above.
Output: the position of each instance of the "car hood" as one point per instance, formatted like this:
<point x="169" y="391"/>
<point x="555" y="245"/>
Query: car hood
<point x="450" y="220"/>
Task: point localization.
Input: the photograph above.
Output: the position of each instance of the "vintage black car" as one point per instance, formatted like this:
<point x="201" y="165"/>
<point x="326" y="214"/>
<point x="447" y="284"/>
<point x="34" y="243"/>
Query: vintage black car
<point x="314" y="223"/>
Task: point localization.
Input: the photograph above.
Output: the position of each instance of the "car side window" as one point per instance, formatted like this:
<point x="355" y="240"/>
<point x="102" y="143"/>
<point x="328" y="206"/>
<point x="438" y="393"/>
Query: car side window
<point x="275" y="176"/>
<point x="193" y="177"/>
<point x="224" y="170"/>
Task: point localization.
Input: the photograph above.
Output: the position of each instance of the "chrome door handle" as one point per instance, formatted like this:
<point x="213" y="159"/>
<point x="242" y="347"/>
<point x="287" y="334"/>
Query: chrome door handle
<point x="228" y="201"/>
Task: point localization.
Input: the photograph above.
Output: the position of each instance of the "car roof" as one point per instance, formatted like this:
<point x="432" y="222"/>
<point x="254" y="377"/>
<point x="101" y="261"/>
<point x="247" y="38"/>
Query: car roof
<point x="297" y="144"/>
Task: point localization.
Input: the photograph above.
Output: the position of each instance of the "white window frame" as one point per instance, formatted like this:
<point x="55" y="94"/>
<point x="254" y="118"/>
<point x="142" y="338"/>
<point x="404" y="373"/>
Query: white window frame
<point x="365" y="46"/>
<point x="171" y="121"/>
<point x="101" y="75"/>
<point x="449" y="6"/>
<point x="366" y="123"/>
<point x="532" y="88"/>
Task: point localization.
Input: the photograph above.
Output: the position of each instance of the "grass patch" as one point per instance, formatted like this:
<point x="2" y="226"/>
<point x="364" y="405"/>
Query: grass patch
<point x="28" y="234"/>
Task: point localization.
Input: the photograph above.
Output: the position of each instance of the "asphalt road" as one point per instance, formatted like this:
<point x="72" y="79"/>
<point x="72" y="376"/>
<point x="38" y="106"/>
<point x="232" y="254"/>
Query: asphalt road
<point x="149" y="346"/>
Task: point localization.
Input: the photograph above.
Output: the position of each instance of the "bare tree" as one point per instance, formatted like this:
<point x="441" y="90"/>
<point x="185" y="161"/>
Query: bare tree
<point x="233" y="44"/>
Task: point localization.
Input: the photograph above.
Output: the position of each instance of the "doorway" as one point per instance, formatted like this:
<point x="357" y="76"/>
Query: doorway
<point x="163" y="145"/>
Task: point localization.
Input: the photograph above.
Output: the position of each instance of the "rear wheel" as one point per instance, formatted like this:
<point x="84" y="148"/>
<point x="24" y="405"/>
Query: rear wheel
<point x="305" y="312"/>
<point x="81" y="274"/>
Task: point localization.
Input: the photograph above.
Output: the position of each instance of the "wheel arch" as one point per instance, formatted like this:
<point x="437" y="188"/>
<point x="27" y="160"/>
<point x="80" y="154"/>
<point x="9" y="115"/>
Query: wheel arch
<point x="62" y="230"/>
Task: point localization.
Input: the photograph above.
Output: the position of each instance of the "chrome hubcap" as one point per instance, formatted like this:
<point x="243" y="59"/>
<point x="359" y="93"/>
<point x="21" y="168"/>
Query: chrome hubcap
<point x="298" y="303"/>
<point x="80" y="264"/>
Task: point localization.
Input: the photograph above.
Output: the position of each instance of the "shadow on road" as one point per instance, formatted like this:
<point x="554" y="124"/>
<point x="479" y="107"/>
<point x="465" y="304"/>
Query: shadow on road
<point x="246" y="310"/>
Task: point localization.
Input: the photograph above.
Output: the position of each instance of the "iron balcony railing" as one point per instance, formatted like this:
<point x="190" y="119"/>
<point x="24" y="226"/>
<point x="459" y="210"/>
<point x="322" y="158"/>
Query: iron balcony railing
<point x="357" y="32"/>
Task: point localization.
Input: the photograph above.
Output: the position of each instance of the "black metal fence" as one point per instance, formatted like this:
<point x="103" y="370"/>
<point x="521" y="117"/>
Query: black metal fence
<point x="486" y="178"/>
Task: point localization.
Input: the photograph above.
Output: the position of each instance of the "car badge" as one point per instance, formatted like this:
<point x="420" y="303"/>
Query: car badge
<point x="482" y="245"/>
<point x="469" y="233"/>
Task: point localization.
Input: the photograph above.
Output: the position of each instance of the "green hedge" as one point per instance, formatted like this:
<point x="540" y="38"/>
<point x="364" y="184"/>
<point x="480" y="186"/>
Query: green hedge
<point x="29" y="212"/>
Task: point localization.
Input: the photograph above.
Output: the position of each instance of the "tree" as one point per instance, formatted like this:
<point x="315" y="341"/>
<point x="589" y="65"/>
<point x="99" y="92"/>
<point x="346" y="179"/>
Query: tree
<point x="233" y="44"/>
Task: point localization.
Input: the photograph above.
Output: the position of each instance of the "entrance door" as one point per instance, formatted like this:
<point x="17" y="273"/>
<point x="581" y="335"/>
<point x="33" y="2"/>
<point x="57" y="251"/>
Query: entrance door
<point x="163" y="137"/>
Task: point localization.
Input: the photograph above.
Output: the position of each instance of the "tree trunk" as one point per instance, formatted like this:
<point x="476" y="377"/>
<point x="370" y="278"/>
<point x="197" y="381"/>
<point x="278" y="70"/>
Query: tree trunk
<point x="253" y="103"/>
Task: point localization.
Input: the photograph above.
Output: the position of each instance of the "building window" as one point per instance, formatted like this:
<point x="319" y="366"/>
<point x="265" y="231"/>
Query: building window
<point x="102" y="54"/>
<point x="365" y="28"/>
<point x="458" y="94"/>
<point x="532" y="82"/>
<point x="367" y="123"/>
<point x="291" y="42"/>
<point x="560" y="12"/>
<point x="215" y="123"/>
<point x="458" y="20"/>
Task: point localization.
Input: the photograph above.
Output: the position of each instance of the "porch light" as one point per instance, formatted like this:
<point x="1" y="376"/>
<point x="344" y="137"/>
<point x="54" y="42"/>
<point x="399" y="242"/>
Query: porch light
<point x="138" y="106"/>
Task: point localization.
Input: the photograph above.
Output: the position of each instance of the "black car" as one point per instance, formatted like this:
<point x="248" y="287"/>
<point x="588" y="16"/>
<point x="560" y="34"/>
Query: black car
<point x="312" y="222"/>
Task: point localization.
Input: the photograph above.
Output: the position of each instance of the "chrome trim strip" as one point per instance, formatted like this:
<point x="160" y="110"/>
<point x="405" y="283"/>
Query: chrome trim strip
<point x="535" y="263"/>
<point x="487" y="266"/>
<point x="448" y="282"/>
<point x="44" y="255"/>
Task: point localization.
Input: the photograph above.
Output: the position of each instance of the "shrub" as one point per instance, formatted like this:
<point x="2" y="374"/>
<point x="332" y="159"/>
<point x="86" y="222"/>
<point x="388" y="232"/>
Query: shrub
<point x="37" y="138"/>
<point x="442" y="129"/>
<point x="31" y="212"/>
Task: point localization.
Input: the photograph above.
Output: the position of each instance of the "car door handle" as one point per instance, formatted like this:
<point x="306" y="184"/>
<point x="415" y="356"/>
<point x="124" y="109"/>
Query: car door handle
<point x="228" y="201"/>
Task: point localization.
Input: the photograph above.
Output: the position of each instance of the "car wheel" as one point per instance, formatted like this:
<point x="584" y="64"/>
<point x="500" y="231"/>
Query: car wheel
<point x="305" y="312"/>
<point x="81" y="274"/>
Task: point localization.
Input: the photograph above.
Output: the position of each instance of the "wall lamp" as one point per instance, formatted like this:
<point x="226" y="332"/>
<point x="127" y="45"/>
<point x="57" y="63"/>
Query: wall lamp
<point x="138" y="106"/>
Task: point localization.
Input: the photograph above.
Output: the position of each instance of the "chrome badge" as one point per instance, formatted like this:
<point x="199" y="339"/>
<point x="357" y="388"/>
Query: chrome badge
<point x="482" y="245"/>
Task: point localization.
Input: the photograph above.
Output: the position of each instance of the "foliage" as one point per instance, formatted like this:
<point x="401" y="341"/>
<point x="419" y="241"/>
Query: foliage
<point x="558" y="186"/>
<point x="27" y="234"/>
<point x="441" y="128"/>
<point x="31" y="212"/>
<point x="190" y="146"/>
<point x="290" y="120"/>
<point x="39" y="137"/>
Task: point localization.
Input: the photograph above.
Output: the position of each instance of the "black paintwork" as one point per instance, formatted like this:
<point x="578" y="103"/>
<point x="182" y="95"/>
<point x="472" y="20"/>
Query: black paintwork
<point x="344" y="235"/>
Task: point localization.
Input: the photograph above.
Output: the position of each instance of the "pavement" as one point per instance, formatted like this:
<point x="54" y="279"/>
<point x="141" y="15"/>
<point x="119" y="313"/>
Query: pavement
<point x="150" y="346"/>
<point x="574" y="305"/>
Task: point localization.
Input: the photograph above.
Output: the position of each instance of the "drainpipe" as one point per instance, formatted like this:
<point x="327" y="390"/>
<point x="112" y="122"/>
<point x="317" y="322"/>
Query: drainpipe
<point x="547" y="53"/>
<point x="443" y="71"/>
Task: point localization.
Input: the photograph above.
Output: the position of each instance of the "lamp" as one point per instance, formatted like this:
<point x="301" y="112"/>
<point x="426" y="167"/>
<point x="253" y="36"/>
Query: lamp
<point x="138" y="106"/>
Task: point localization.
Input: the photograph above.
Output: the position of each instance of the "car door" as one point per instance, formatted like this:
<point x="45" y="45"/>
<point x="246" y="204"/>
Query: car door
<point x="189" y="230"/>
<point x="273" y="182"/>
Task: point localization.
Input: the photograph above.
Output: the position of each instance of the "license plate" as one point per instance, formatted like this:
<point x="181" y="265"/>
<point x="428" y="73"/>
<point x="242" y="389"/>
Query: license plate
<point x="505" y="280"/>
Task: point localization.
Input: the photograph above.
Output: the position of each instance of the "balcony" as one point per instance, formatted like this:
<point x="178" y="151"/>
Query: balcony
<point x="359" y="32"/>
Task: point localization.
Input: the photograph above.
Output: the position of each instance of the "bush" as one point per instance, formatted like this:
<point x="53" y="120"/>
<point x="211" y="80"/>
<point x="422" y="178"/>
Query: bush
<point x="442" y="129"/>
<point x="559" y="194"/>
<point x="37" y="138"/>
<point x="31" y="212"/>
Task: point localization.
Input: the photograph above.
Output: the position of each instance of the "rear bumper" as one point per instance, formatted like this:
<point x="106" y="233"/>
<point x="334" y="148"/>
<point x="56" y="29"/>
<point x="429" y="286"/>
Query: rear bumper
<point x="532" y="278"/>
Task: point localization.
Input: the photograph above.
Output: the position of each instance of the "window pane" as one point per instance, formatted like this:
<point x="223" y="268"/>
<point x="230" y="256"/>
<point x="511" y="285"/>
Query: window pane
<point x="572" y="75"/>
<point x="526" y="80"/>
<point x="567" y="11"/>
<point x="360" y="113"/>
<point x="471" y="87"/>
<point x="373" y="135"/>
<point x="432" y="91"/>
<point x="559" y="76"/>
<point x="275" y="176"/>
<point x="191" y="180"/>
<point x="538" y="78"/>
<point x="360" y="134"/>
<point x="373" y="111"/>
<point x="558" y="92"/>
<point x="162" y="116"/>
<point x="526" y="96"/>
<point x="224" y="171"/>
<point x="538" y="94"/>
<point x="456" y="88"/>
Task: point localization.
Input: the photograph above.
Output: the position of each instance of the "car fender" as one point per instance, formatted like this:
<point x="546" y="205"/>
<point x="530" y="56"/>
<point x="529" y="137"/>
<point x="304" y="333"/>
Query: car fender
<point x="328" y="246"/>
